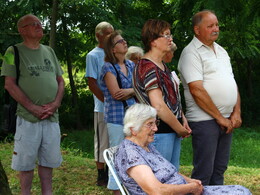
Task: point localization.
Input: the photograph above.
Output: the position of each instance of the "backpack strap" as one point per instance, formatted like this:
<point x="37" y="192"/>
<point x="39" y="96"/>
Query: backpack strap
<point x="17" y="63"/>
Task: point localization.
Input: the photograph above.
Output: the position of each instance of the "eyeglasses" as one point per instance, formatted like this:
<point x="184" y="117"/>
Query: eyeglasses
<point x="166" y="36"/>
<point x="153" y="124"/>
<point x="34" y="24"/>
<point x="120" y="41"/>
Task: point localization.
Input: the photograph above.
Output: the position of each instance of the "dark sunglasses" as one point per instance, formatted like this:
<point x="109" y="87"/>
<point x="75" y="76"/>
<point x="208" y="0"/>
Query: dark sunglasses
<point x="120" y="41"/>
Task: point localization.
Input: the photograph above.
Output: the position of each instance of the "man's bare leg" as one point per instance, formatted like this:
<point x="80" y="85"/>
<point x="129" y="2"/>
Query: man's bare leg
<point x="45" y="174"/>
<point x="26" y="178"/>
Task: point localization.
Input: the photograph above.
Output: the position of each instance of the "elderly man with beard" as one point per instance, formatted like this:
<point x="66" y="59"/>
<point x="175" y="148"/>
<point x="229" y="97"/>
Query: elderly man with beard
<point x="212" y="99"/>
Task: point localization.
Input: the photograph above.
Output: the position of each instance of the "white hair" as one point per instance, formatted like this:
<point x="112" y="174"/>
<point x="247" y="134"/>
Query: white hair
<point x="136" y="115"/>
<point x="101" y="27"/>
<point x="134" y="50"/>
<point x="21" y="20"/>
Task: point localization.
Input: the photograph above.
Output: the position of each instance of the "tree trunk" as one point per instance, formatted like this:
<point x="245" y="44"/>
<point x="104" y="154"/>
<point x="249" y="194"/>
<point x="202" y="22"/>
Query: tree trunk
<point x="73" y="89"/>
<point x="72" y="83"/>
<point x="53" y="23"/>
<point x="4" y="185"/>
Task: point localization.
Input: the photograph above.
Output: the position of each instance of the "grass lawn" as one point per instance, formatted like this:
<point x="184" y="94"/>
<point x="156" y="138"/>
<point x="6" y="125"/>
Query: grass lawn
<point x="77" y="174"/>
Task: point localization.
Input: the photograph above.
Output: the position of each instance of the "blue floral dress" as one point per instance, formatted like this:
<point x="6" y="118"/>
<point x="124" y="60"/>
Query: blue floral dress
<point x="130" y="154"/>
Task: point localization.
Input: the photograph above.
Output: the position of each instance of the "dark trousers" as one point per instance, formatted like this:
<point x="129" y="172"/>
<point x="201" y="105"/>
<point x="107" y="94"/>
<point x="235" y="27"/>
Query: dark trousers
<point x="211" y="149"/>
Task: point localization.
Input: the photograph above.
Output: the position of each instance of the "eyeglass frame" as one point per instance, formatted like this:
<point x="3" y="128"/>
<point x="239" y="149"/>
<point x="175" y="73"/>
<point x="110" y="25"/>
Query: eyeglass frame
<point x="119" y="41"/>
<point x="34" y="24"/>
<point x="153" y="124"/>
<point x="166" y="36"/>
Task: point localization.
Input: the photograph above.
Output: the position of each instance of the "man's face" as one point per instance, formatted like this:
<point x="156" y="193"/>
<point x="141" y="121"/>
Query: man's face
<point x="31" y="28"/>
<point x="208" y="30"/>
<point x="105" y="33"/>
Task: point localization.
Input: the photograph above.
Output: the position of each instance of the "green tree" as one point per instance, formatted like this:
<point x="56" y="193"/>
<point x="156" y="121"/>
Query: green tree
<point x="69" y="28"/>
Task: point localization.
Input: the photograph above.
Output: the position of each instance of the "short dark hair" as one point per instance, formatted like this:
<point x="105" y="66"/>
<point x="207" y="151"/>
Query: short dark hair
<point x="108" y="47"/>
<point x="152" y="30"/>
<point x="196" y="19"/>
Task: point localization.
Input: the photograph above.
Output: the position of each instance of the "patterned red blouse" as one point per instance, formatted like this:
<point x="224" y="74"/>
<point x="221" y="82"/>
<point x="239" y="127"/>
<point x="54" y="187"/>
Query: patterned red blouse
<point x="148" y="76"/>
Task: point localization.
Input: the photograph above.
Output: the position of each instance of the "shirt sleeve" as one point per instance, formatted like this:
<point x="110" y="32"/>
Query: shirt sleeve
<point x="107" y="68"/>
<point x="91" y="66"/>
<point x="190" y="66"/>
<point x="148" y="74"/>
<point x="8" y="65"/>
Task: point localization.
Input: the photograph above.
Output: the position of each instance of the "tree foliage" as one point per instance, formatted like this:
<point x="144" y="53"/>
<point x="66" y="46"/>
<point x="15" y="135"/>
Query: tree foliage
<point x="70" y="28"/>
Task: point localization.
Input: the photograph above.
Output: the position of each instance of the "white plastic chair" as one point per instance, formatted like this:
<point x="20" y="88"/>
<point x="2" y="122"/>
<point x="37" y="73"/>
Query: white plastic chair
<point x="109" y="158"/>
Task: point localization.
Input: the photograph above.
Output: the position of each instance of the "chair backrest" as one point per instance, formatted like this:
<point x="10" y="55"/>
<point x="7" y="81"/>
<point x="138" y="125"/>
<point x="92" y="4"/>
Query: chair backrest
<point x="109" y="158"/>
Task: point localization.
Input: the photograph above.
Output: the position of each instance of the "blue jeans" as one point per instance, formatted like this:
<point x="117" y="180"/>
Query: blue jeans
<point x="116" y="136"/>
<point x="169" y="145"/>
